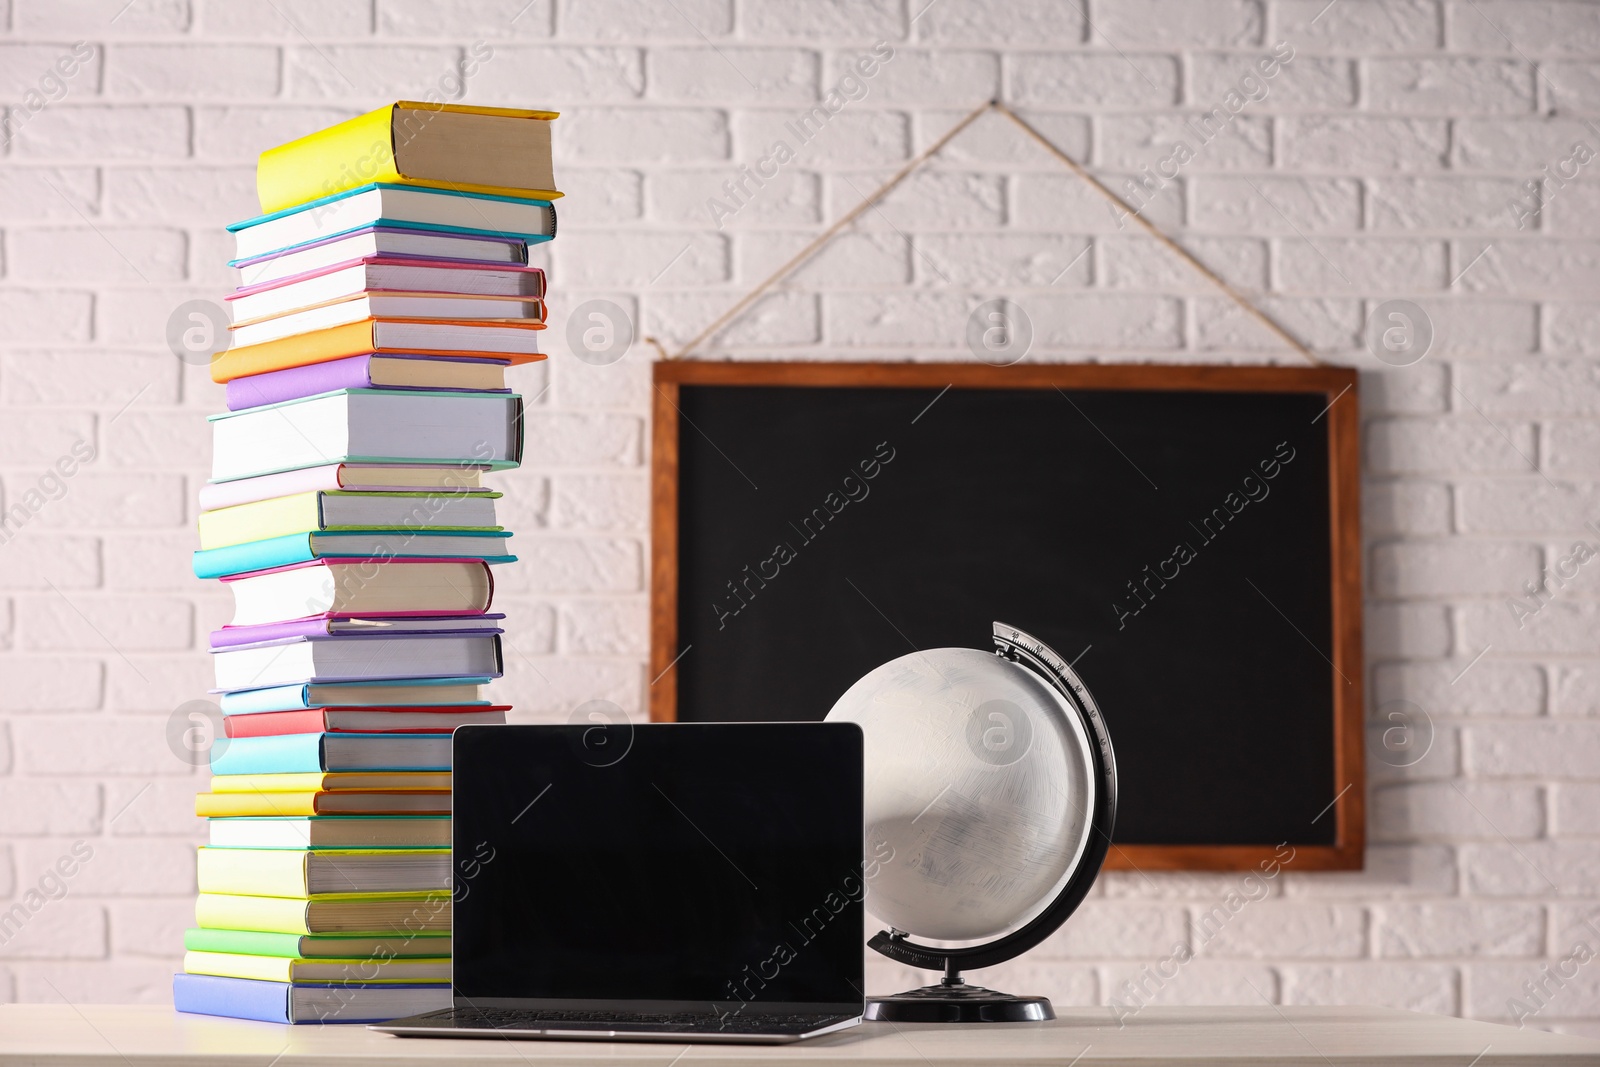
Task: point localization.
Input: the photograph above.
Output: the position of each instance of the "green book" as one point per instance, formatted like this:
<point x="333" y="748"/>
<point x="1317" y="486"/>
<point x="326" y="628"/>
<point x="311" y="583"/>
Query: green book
<point x="317" y="946"/>
<point x="326" y="913"/>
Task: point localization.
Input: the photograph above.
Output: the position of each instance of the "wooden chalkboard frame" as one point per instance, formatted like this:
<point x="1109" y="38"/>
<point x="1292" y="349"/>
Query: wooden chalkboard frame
<point x="1337" y="384"/>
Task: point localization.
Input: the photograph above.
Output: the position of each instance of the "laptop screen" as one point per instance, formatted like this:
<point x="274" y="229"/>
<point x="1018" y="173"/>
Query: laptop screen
<point x="693" y="864"/>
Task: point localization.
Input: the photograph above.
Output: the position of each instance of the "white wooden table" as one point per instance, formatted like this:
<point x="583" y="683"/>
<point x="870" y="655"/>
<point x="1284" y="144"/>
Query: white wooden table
<point x="55" y="1035"/>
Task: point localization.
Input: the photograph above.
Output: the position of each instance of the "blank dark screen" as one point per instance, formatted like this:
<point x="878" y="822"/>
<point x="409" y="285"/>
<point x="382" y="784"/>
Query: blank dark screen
<point x="688" y="863"/>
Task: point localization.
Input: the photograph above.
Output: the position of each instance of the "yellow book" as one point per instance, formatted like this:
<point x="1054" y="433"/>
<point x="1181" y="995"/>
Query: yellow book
<point x="293" y="872"/>
<point x="332" y="782"/>
<point x="468" y="338"/>
<point x="261" y="519"/>
<point x="350" y="802"/>
<point x="333" y="510"/>
<point x="284" y="969"/>
<point x="458" y="147"/>
<point x="374" y="913"/>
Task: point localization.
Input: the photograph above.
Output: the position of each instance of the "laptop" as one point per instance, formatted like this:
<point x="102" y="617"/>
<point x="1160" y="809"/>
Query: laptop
<point x="656" y="882"/>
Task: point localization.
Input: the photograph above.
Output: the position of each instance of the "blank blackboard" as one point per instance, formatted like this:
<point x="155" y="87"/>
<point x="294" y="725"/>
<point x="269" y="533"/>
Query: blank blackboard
<point x="1177" y="535"/>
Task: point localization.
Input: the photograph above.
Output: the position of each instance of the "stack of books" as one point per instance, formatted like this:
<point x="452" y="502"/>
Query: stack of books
<point x="384" y="294"/>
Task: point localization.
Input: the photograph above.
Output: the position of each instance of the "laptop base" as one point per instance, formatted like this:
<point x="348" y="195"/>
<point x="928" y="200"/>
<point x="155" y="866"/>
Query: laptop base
<point x="684" y="1027"/>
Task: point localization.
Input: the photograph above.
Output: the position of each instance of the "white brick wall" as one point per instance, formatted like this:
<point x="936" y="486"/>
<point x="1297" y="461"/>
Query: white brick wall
<point x="1378" y="165"/>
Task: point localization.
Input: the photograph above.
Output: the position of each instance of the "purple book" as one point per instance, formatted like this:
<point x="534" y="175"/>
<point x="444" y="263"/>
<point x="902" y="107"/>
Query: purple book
<point x="352" y="372"/>
<point x="268" y="632"/>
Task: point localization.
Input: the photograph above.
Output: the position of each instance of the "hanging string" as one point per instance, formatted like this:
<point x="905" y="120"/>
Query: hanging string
<point x="928" y="153"/>
<point x="1154" y="231"/>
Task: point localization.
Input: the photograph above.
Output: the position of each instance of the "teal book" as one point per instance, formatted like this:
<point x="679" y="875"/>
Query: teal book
<point x="298" y="753"/>
<point x="488" y="545"/>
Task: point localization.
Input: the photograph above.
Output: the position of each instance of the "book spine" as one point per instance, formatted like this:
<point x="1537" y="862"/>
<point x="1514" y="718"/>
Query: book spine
<point x="274" y="387"/>
<point x="358" y="338"/>
<point x="232" y="636"/>
<point x="342" y="157"/>
<point x="254" y="556"/>
<point x="239" y="965"/>
<point x="275" y="723"/>
<point x="278" y="754"/>
<point x="303" y="349"/>
<point x="215" y="495"/>
<point x="236" y="805"/>
<point x="271" y="698"/>
<point x="261" y="520"/>
<point x="247" y="942"/>
<point x="256" y="872"/>
<point x="234" y="998"/>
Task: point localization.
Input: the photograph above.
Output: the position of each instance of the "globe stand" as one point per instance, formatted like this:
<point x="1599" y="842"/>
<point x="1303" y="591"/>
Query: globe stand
<point x="953" y="1000"/>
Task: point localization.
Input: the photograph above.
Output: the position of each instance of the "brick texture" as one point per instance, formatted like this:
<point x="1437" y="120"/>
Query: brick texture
<point x="1389" y="158"/>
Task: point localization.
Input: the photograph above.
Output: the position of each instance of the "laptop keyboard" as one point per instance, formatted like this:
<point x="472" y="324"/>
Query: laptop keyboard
<point x="673" y="1022"/>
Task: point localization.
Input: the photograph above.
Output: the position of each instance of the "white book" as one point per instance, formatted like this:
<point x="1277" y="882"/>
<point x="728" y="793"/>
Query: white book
<point x="504" y="215"/>
<point x="383" y="305"/>
<point x="354" y="659"/>
<point x="378" y="478"/>
<point x="397" y="970"/>
<point x="335" y="831"/>
<point x="424" y="244"/>
<point x="367" y="424"/>
<point x="418" y="276"/>
<point x="447" y="587"/>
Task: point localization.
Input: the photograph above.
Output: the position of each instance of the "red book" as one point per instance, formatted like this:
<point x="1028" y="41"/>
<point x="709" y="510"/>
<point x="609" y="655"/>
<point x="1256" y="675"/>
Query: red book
<point x="430" y="719"/>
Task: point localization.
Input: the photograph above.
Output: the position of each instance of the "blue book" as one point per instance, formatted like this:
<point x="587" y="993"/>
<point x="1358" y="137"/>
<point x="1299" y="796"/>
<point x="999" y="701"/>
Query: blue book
<point x="396" y="692"/>
<point x="284" y="1002"/>
<point x="302" y="753"/>
<point x="394" y="206"/>
<point x="487" y="545"/>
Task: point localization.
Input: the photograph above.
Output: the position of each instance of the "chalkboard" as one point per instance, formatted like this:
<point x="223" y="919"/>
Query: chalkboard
<point x="1187" y="537"/>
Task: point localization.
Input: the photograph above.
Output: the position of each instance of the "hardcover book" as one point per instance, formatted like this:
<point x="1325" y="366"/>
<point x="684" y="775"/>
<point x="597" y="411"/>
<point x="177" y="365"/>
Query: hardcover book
<point x="472" y="248"/>
<point x="346" y="802"/>
<point x="365" y="913"/>
<point x="516" y="341"/>
<point x="316" y="946"/>
<point x="285" y="1002"/>
<point x="496" y="150"/>
<point x="330" y="831"/>
<point x="307" y="753"/>
<point x="368" y="372"/>
<point x="278" y="872"/>
<point x="303" y="971"/>
<point x="389" y="692"/>
<point x="343" y="510"/>
<point x="397" y="720"/>
<point x="290" y="549"/>
<point x="372" y="425"/>
<point x="398" y="207"/>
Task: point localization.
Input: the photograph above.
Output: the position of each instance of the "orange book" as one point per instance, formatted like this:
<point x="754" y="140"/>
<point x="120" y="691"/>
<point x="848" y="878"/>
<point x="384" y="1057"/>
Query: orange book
<point x="473" y="339"/>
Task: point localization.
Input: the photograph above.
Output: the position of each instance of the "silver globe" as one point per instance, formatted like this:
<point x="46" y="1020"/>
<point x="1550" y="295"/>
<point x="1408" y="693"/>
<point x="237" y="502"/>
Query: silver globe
<point x="979" y="790"/>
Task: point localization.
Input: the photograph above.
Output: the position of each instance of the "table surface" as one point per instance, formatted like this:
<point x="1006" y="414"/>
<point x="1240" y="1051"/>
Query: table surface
<point x="57" y="1035"/>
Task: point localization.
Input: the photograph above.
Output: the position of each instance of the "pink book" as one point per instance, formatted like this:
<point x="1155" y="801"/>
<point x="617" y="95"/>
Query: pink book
<point x="407" y="272"/>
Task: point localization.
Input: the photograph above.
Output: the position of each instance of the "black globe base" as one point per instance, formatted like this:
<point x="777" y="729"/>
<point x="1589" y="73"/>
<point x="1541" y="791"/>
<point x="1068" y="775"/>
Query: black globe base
<point x="958" y="1003"/>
